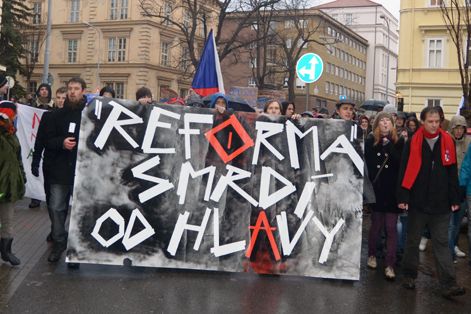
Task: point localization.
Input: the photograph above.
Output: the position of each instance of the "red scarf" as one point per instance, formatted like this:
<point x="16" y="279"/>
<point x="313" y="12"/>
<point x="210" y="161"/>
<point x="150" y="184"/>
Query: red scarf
<point x="448" y="152"/>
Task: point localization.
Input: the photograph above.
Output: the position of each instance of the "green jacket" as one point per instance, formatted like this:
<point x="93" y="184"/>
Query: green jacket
<point x="12" y="175"/>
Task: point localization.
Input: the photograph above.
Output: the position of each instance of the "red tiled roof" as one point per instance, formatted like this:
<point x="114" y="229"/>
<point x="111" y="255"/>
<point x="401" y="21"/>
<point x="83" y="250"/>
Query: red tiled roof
<point x="348" y="3"/>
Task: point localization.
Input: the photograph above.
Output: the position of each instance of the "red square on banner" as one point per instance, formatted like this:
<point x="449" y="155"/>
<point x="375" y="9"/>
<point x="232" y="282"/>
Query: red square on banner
<point x="235" y="124"/>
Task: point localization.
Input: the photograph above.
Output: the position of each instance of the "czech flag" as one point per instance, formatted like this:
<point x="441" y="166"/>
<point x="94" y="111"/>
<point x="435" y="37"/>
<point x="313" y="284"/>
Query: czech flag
<point x="208" y="76"/>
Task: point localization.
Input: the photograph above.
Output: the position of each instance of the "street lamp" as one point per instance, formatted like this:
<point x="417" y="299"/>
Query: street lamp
<point x="385" y="18"/>
<point x="99" y="51"/>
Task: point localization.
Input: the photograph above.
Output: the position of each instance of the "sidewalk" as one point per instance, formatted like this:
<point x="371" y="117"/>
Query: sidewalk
<point x="31" y="228"/>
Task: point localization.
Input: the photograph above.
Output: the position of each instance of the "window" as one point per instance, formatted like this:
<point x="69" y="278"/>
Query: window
<point x="433" y="102"/>
<point x="303" y="24"/>
<point x="32" y="86"/>
<point x="300" y="84"/>
<point x="164" y="53"/>
<point x="186" y="62"/>
<point x="74" y="11"/>
<point x="37" y="8"/>
<point x="33" y="50"/>
<point x="72" y="46"/>
<point x="435" y="3"/>
<point x="119" y="9"/>
<point x="289" y="24"/>
<point x="118" y="88"/>
<point x="271" y="55"/>
<point x="289" y="43"/>
<point x="349" y="19"/>
<point x="434" y="54"/>
<point x="327" y="87"/>
<point x="253" y="63"/>
<point x="116" y="49"/>
<point x="186" y="18"/>
<point x="167" y="13"/>
<point x="252" y="82"/>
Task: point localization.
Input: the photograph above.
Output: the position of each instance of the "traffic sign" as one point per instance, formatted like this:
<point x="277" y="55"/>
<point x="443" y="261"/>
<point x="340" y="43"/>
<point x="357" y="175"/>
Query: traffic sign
<point x="309" y="67"/>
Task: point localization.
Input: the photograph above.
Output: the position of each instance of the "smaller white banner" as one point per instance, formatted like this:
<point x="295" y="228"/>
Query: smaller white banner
<point x="27" y="128"/>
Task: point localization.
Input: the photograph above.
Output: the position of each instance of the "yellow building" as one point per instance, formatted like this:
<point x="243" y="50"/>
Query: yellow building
<point x="109" y="42"/>
<point x="428" y="73"/>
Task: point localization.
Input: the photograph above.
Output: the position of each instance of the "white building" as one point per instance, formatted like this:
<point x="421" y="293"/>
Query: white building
<point x="370" y="20"/>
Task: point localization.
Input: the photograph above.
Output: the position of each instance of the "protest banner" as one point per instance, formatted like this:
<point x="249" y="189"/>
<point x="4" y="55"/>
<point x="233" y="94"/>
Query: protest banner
<point x="27" y="128"/>
<point x="183" y="187"/>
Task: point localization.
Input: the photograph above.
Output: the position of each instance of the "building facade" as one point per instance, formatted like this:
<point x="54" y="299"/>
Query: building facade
<point x="109" y="42"/>
<point x="373" y="22"/>
<point x="342" y="51"/>
<point x="428" y="72"/>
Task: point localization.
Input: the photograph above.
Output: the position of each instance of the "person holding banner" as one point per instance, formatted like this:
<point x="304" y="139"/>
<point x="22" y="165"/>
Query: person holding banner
<point x="43" y="100"/>
<point x="61" y="95"/>
<point x="61" y="140"/>
<point x="12" y="179"/>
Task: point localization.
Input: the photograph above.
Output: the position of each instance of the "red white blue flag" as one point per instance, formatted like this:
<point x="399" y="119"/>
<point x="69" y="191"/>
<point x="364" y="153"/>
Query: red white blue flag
<point x="208" y="76"/>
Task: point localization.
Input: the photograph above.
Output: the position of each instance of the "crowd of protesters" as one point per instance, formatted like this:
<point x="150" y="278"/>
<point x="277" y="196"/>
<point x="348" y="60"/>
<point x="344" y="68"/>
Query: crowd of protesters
<point x="419" y="173"/>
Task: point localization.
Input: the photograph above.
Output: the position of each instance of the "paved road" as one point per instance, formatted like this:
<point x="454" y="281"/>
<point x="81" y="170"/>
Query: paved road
<point x="38" y="287"/>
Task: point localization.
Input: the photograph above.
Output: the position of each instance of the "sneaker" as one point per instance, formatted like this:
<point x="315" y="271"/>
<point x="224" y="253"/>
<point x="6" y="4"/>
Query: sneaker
<point x="423" y="244"/>
<point x="389" y="273"/>
<point x="372" y="262"/>
<point x="459" y="253"/>
<point x="453" y="291"/>
<point x="409" y="283"/>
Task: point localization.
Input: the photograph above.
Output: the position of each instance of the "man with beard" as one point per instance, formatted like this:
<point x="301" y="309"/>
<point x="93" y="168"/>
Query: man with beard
<point x="62" y="139"/>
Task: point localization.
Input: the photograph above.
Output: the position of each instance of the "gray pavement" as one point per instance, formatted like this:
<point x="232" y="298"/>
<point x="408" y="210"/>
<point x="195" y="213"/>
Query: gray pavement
<point x="39" y="287"/>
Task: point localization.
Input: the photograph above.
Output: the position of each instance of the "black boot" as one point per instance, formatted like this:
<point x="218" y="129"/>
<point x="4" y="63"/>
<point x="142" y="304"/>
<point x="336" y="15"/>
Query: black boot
<point x="56" y="252"/>
<point x="7" y="255"/>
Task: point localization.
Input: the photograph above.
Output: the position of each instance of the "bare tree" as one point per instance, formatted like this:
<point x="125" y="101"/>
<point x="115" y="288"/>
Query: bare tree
<point x="192" y="18"/>
<point x="33" y="41"/>
<point x="297" y="27"/>
<point x="456" y="14"/>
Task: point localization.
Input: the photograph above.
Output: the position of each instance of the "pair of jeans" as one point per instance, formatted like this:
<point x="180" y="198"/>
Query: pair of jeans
<point x="438" y="226"/>
<point x="454" y="227"/>
<point x="59" y="197"/>
<point x="388" y="220"/>
<point x="402" y="231"/>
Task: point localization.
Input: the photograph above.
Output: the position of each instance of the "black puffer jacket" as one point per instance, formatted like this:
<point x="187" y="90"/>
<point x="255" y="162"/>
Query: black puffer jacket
<point x="436" y="187"/>
<point x="62" y="161"/>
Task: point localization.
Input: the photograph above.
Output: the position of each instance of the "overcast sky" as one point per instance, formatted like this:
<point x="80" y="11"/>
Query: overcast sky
<point x="391" y="5"/>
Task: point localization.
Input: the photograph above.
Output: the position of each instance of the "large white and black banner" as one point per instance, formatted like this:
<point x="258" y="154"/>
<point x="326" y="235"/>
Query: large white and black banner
<point x="182" y="187"/>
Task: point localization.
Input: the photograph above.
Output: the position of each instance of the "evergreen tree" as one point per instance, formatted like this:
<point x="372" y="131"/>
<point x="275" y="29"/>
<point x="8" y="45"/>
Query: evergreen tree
<point x="15" y="16"/>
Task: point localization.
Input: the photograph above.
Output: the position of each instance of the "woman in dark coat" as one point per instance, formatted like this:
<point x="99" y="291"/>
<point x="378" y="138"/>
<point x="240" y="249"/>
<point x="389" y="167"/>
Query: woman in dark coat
<point x="382" y="154"/>
<point x="12" y="179"/>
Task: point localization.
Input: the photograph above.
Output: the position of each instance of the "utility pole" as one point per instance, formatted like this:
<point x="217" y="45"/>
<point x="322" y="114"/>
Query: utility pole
<point x="48" y="43"/>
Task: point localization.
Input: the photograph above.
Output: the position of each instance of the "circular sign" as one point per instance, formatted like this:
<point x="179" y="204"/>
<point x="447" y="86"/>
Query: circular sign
<point x="309" y="68"/>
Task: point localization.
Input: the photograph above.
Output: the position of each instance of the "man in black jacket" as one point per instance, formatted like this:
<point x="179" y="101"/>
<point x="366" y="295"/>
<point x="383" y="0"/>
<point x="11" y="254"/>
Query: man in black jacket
<point x="61" y="141"/>
<point x="61" y="95"/>
<point x="428" y="190"/>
